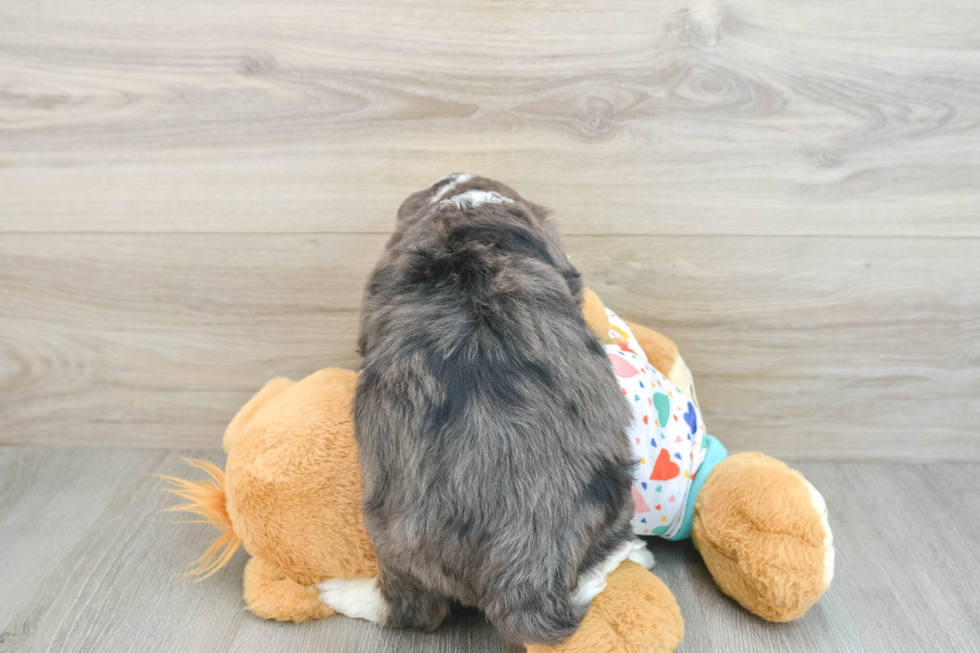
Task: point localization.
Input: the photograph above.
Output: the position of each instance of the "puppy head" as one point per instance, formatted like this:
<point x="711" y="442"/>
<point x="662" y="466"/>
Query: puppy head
<point x="464" y="190"/>
<point x="467" y="199"/>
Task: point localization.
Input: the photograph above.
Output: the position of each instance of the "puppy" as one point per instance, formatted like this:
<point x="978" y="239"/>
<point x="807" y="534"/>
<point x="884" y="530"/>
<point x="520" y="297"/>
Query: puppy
<point x="490" y="428"/>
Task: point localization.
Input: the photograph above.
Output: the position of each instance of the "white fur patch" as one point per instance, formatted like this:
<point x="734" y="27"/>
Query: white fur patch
<point x="816" y="499"/>
<point x="478" y="197"/>
<point x="358" y="598"/>
<point x="456" y="181"/>
<point x="594" y="581"/>
<point x="642" y="557"/>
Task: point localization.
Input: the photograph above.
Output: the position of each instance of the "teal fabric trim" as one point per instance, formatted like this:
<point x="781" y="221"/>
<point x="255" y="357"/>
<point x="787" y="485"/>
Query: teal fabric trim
<point x="715" y="453"/>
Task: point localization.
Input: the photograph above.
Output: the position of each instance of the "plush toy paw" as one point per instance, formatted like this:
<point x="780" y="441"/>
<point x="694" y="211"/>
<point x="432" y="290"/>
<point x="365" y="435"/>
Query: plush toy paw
<point x="271" y="594"/>
<point x="763" y="532"/>
<point x="635" y="613"/>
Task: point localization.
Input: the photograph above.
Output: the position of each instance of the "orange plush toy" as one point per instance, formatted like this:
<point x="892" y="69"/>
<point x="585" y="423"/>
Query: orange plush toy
<point x="291" y="495"/>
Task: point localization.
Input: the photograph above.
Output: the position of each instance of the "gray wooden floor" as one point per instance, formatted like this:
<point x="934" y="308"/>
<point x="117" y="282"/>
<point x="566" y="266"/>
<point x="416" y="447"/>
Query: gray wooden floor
<point x="89" y="563"/>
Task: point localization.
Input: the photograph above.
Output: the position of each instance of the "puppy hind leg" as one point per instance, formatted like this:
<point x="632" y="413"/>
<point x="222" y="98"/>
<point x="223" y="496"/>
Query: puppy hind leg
<point x="409" y="605"/>
<point x="535" y="607"/>
<point x="539" y="607"/>
<point x="546" y="618"/>
<point x="593" y="580"/>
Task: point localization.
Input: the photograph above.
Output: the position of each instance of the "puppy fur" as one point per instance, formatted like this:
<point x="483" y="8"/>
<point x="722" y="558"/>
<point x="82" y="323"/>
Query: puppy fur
<point x="491" y="432"/>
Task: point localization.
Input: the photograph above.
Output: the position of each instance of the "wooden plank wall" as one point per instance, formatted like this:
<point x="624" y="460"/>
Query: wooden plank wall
<point x="192" y="194"/>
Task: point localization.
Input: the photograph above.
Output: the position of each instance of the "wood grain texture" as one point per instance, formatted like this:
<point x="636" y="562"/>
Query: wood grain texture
<point x="814" y="348"/>
<point x="675" y="117"/>
<point x="149" y="341"/>
<point x="806" y="348"/>
<point x="191" y="196"/>
<point x="92" y="564"/>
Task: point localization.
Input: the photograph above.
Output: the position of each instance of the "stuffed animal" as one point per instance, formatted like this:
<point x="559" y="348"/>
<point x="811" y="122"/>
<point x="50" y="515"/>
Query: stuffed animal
<point x="291" y="495"/>
<point x="760" y="526"/>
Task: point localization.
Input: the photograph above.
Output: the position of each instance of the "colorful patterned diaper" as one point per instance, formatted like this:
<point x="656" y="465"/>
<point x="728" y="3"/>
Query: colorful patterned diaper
<point x="667" y="433"/>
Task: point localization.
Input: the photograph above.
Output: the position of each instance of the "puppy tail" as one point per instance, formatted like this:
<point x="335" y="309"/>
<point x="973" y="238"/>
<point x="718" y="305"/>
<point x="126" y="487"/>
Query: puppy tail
<point x="206" y="498"/>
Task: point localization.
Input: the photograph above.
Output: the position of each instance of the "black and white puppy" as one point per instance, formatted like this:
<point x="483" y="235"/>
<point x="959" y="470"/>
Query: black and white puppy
<point x="491" y="431"/>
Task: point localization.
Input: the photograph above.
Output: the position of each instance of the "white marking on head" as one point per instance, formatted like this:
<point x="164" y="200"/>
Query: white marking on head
<point x="477" y="197"/>
<point x="594" y="581"/>
<point x="456" y="181"/>
<point x="358" y="598"/>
